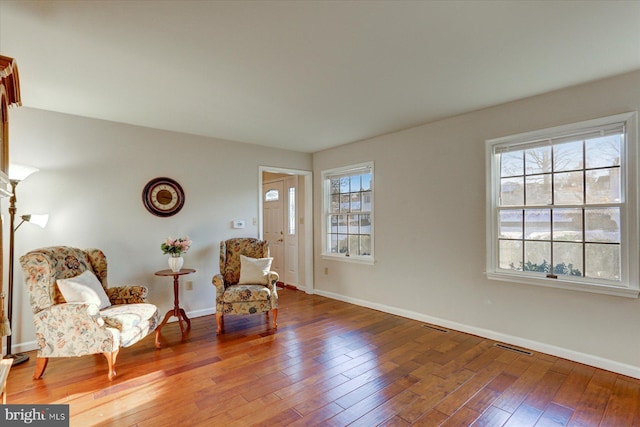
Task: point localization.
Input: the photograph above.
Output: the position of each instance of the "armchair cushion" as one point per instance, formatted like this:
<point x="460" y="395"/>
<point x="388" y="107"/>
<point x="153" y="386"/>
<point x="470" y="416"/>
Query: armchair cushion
<point x="245" y="293"/>
<point x="254" y="271"/>
<point x="84" y="288"/>
<point x="131" y="320"/>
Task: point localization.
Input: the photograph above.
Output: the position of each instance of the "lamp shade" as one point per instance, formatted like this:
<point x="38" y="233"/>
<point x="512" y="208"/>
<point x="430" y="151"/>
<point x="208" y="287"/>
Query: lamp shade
<point x="20" y="172"/>
<point x="37" y="219"/>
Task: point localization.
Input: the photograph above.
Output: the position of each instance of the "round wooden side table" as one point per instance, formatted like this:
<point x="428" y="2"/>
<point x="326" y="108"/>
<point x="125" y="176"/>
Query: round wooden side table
<point x="176" y="311"/>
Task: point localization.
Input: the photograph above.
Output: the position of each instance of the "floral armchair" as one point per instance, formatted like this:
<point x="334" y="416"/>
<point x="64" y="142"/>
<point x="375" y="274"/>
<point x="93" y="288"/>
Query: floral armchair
<point x="76" y="329"/>
<point x="247" y="298"/>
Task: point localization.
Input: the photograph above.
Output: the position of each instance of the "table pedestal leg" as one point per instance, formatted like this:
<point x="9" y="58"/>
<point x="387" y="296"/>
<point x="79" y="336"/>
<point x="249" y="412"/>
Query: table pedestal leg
<point x="176" y="312"/>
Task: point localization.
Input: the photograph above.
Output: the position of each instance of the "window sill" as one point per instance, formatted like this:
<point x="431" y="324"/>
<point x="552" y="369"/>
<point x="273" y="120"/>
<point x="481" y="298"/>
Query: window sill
<point x="355" y="260"/>
<point x="566" y="284"/>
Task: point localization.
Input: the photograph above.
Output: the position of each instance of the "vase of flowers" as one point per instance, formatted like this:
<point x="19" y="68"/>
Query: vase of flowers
<point x="175" y="248"/>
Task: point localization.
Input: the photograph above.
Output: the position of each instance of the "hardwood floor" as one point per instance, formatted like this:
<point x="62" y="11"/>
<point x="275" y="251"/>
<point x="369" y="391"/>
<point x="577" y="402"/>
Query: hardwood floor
<point x="329" y="363"/>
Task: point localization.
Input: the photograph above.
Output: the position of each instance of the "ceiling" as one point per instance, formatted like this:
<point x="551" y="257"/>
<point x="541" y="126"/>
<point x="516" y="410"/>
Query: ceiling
<point x="307" y="75"/>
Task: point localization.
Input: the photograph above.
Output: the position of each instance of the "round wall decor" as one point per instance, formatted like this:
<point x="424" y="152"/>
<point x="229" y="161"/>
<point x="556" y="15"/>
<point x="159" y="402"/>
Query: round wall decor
<point x="163" y="197"/>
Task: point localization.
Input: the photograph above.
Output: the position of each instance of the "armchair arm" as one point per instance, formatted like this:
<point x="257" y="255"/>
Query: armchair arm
<point x="218" y="282"/>
<point x="65" y="330"/>
<point x="273" y="279"/>
<point x="129" y="294"/>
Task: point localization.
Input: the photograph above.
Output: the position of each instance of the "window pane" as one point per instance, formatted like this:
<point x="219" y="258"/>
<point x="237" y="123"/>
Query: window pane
<point x="366" y="201"/>
<point x="355" y="183"/>
<point x="602" y="261"/>
<point x="343" y="243"/>
<point x="603" y="186"/>
<point x="334" y="206"/>
<point x="333" y="228"/>
<point x="344" y="184"/>
<point x="334" y="185"/>
<point x="510" y="255"/>
<point x="365" y="245"/>
<point x="355" y="202"/>
<point x="568" y="156"/>
<point x="537" y="224"/>
<point x="603" y="152"/>
<point x="511" y="224"/>
<point x="567" y="259"/>
<point x="292" y="211"/>
<point x="365" y="224"/>
<point x="353" y="224"/>
<point x="537" y="160"/>
<point x="568" y="188"/>
<point x="366" y="182"/>
<point x="567" y="225"/>
<point x="512" y="164"/>
<point x="333" y="243"/>
<point x="354" y="245"/>
<point x="342" y="224"/>
<point x="538" y="190"/>
<point x="602" y="225"/>
<point x="271" y="195"/>
<point x="344" y="203"/>
<point x="537" y="256"/>
<point x="512" y="191"/>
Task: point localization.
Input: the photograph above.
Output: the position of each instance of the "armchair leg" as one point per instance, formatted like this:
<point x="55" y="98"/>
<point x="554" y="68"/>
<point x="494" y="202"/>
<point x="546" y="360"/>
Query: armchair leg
<point x="111" y="361"/>
<point x="275" y="317"/>
<point x="218" y="323"/>
<point x="41" y="365"/>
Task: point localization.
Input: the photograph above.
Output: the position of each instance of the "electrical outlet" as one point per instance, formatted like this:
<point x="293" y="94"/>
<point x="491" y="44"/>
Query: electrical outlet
<point x="255" y="221"/>
<point x="189" y="285"/>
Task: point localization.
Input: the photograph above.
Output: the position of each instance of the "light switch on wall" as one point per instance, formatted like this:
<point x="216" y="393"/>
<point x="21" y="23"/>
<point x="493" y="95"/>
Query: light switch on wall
<point x="238" y="223"/>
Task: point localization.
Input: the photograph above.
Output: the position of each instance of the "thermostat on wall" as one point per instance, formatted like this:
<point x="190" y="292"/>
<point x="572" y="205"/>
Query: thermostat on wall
<point x="238" y="223"/>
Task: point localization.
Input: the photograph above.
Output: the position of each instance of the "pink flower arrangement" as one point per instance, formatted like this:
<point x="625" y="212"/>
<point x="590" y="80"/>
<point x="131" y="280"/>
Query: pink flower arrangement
<point x="176" y="247"/>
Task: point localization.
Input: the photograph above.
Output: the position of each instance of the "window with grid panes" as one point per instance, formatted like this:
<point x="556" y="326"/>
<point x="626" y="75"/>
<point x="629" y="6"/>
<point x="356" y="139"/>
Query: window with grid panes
<point x="562" y="207"/>
<point x="348" y="212"/>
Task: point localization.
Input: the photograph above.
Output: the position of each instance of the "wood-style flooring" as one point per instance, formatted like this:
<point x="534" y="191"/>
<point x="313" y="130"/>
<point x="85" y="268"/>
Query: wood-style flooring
<point x="332" y="364"/>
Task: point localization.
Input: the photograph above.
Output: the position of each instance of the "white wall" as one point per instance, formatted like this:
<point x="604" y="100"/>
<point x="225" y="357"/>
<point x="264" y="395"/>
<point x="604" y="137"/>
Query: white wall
<point x="91" y="177"/>
<point x="430" y="234"/>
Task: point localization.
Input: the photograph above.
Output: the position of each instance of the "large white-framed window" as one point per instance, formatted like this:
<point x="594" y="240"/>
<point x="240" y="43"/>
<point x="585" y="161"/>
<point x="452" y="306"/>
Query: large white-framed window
<point x="347" y="206"/>
<point x="562" y="206"/>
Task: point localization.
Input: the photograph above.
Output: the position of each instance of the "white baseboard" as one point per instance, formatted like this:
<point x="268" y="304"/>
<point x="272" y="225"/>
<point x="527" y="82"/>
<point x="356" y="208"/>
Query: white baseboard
<point x="587" y="359"/>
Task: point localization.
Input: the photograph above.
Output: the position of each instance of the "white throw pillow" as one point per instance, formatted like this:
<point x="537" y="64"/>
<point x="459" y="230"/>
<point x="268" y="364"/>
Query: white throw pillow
<point x="254" y="271"/>
<point x="84" y="288"/>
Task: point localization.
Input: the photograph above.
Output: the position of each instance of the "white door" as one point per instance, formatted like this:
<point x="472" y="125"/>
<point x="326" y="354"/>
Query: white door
<point x="291" y="232"/>
<point x="273" y="199"/>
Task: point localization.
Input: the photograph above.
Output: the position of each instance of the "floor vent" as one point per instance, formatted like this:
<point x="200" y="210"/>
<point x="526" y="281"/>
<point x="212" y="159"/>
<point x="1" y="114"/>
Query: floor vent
<point x="435" y="328"/>
<point x="517" y="350"/>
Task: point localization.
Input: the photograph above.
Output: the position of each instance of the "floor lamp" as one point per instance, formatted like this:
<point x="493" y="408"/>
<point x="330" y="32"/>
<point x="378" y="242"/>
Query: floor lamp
<point x="17" y="173"/>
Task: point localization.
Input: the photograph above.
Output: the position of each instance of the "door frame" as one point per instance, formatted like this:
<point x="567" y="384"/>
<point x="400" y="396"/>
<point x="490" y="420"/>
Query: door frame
<point x="308" y="217"/>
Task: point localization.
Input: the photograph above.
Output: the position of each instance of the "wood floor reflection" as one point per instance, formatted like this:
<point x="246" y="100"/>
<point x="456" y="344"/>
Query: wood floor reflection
<point x="329" y="363"/>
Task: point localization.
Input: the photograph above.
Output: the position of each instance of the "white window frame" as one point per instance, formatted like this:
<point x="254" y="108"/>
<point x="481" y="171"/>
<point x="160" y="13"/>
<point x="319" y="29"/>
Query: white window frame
<point x="628" y="285"/>
<point x="326" y="203"/>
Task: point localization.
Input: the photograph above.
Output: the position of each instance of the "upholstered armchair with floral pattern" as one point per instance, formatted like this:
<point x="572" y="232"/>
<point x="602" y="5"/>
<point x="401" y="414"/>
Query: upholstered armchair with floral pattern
<point x="246" y="298"/>
<point x="66" y="329"/>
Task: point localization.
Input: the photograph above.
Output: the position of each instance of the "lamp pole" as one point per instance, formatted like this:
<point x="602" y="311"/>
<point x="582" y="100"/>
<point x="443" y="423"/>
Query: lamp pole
<point x="18" y="357"/>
